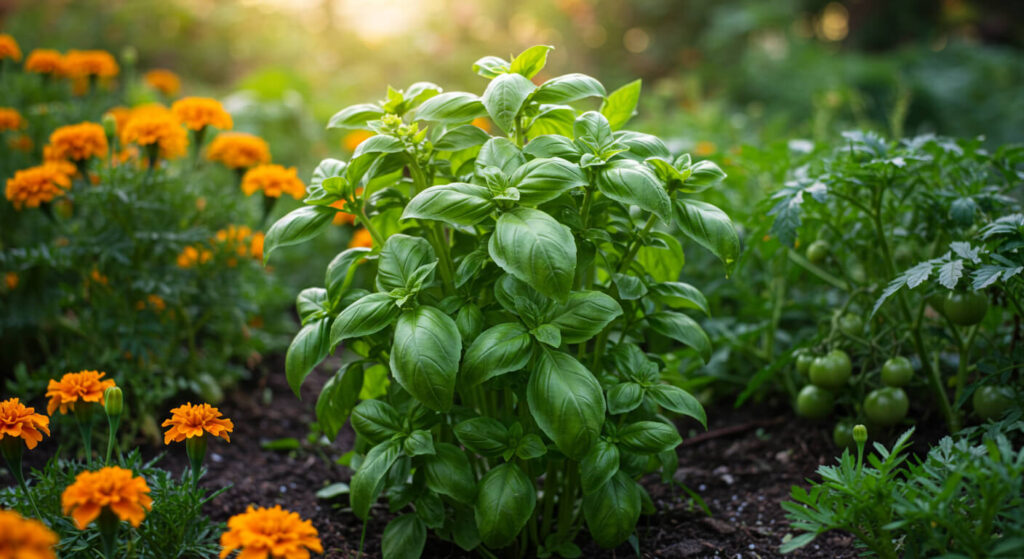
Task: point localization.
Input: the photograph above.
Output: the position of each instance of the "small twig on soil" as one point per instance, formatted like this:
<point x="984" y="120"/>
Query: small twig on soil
<point x="732" y="430"/>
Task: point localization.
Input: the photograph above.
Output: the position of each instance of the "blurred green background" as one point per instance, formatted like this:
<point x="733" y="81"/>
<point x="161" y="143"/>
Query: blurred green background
<point x="718" y="72"/>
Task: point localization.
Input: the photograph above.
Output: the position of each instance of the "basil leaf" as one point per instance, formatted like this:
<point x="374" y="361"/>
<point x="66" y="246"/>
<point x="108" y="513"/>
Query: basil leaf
<point x="533" y="247"/>
<point x="498" y="350"/>
<point x="504" y="504"/>
<point x="566" y="401"/>
<point x="425" y="356"/>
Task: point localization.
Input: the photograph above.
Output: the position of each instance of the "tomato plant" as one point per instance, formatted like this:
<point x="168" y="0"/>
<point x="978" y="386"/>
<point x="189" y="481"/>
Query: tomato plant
<point x="831" y="371"/>
<point x="897" y="371"/>
<point x="991" y="402"/>
<point x="814" y="402"/>
<point x="516" y="280"/>
<point x="886" y="406"/>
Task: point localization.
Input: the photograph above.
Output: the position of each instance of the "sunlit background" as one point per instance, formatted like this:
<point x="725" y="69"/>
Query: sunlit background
<point x="716" y="73"/>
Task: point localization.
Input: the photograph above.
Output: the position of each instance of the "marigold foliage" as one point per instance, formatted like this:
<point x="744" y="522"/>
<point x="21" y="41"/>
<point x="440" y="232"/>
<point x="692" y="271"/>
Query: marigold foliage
<point x="191" y="420"/>
<point x="197" y="113"/>
<point x="25" y="538"/>
<point x="112" y="488"/>
<point x="19" y="421"/>
<point x="270" y="532"/>
<point x="78" y="142"/>
<point x="273" y="181"/>
<point x="37" y="185"/>
<point x="10" y="119"/>
<point x="45" y="61"/>
<point x="238" y="150"/>
<point x="83" y="386"/>
<point x="9" y="48"/>
<point x="164" y="81"/>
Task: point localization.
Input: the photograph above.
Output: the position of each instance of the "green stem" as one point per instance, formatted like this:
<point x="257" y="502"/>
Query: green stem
<point x="567" y="499"/>
<point x="12" y="450"/>
<point x="113" y="423"/>
<point x="548" y="502"/>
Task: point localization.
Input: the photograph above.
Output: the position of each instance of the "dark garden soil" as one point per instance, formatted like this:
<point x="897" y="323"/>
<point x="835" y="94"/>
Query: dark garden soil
<point x="742" y="467"/>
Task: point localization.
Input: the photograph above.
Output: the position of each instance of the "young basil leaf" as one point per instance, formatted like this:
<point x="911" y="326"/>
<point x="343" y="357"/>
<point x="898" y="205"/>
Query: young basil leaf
<point x="451" y="108"/>
<point x="337" y="398"/>
<point x="368" y="315"/>
<point x="663" y="259"/>
<point x="425" y="356"/>
<point x="469" y="320"/>
<point x="594" y="125"/>
<point x="709" y="227"/>
<point x="482" y="435"/>
<point x="491" y="67"/>
<point x="680" y="295"/>
<point x="683" y="329"/>
<point x="568" y="88"/>
<point x="625" y="397"/>
<point x="328" y="168"/>
<point x="547" y="334"/>
<point x="401" y="256"/>
<point x="308" y="348"/>
<point x="703" y="175"/>
<point x="504" y="504"/>
<point x="367" y="482"/>
<point x="311" y="304"/>
<point x="404" y="538"/>
<point x="543" y="180"/>
<point x="461" y="137"/>
<point x="620" y="105"/>
<point x="612" y="511"/>
<point x="355" y="116"/>
<point x="448" y="472"/>
<point x="679" y="401"/>
<point x="504" y="97"/>
<point x="456" y="203"/>
<point x="531" y="446"/>
<point x="531" y="61"/>
<point x="498" y="350"/>
<point x="376" y="421"/>
<point x="630" y="288"/>
<point x="500" y="153"/>
<point x="670" y="175"/>
<point x="553" y="120"/>
<point x="296" y="227"/>
<point x="378" y="144"/>
<point x="418" y="443"/>
<point x="533" y="247"/>
<point x="430" y="509"/>
<point x="417" y="93"/>
<point x="340" y="272"/>
<point x="566" y="401"/>
<point x="551" y="145"/>
<point x="598" y="466"/>
<point x="630" y="182"/>
<point x="584" y="314"/>
<point x="649" y="437"/>
<point x="642" y="146"/>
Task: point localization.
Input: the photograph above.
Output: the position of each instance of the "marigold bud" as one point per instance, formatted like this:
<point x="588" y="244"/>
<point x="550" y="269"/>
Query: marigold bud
<point x="129" y="55"/>
<point x="860" y="434"/>
<point x="109" y="125"/>
<point x="113" y="400"/>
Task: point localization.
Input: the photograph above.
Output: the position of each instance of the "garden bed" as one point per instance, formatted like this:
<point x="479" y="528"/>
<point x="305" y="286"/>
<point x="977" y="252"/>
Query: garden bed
<point x="742" y="467"/>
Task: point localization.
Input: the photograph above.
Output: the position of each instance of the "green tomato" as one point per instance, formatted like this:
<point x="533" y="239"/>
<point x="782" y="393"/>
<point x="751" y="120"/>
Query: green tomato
<point x="831" y="371"/>
<point x="842" y="434"/>
<point x="814" y="403"/>
<point x="803" y="363"/>
<point x="818" y="251"/>
<point x="991" y="402"/>
<point x="886" y="406"/>
<point x="965" y="309"/>
<point x="897" y="371"/>
<point x="851" y="324"/>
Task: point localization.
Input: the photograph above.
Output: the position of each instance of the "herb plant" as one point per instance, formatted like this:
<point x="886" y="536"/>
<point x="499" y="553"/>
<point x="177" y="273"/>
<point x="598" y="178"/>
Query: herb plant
<point x="499" y="354"/>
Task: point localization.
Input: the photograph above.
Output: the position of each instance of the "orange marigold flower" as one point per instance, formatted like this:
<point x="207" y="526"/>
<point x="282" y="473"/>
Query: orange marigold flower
<point x="25" y="538"/>
<point x="83" y="386"/>
<point x="78" y="141"/>
<point x="156" y="302"/>
<point x="45" y="61"/>
<point x="482" y="123"/>
<point x="88" y="63"/>
<point x="164" y="81"/>
<point x="361" y="238"/>
<point x="10" y="119"/>
<point x="19" y="421"/>
<point x="197" y="113"/>
<point x="12" y="280"/>
<point x="273" y="180"/>
<point x="192" y="256"/>
<point x="705" y="148"/>
<point x="190" y="420"/>
<point x="238" y="150"/>
<point x="352" y="140"/>
<point x="155" y="125"/>
<point x="261" y="532"/>
<point x="9" y="48"/>
<point x="112" y="488"/>
<point x="256" y="246"/>
<point x="98" y="277"/>
<point x="342" y="217"/>
<point x="37" y="185"/>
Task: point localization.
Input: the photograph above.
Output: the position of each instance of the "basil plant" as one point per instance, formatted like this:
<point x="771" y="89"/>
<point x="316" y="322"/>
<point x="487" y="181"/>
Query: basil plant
<point x="497" y="377"/>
